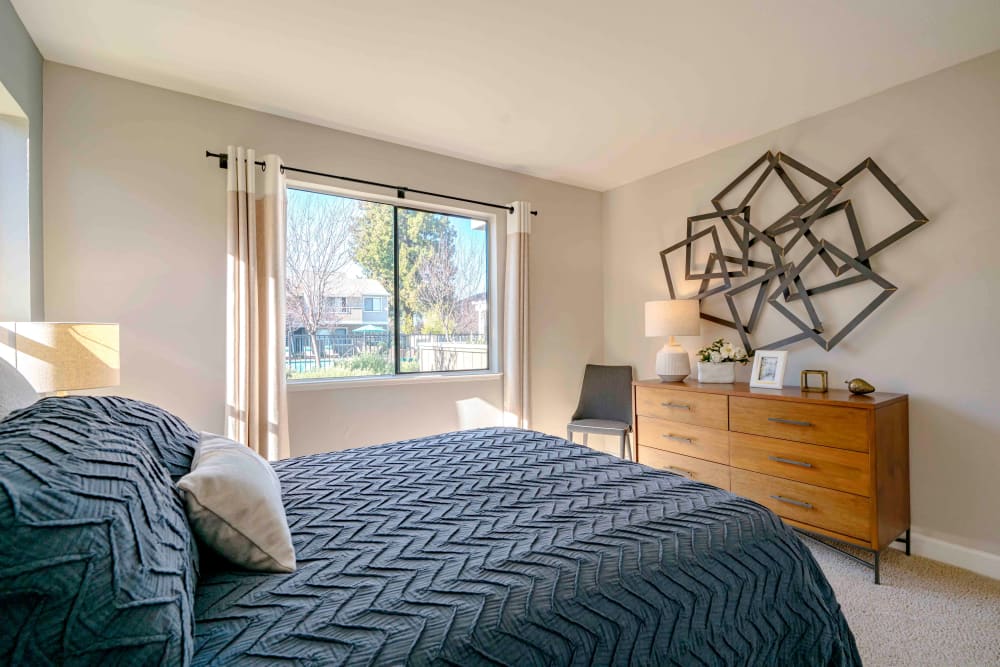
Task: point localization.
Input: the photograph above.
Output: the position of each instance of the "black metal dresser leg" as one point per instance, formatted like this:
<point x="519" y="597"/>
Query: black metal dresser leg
<point x="906" y="541"/>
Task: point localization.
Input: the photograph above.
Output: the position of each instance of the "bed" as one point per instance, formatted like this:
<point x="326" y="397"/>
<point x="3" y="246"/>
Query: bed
<point x="481" y="547"/>
<point x="504" y="546"/>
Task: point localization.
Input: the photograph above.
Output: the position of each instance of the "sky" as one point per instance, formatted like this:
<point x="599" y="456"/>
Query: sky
<point x="471" y="233"/>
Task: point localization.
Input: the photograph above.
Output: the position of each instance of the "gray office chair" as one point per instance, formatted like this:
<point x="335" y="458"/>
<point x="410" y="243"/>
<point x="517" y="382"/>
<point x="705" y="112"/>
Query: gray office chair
<point x="605" y="405"/>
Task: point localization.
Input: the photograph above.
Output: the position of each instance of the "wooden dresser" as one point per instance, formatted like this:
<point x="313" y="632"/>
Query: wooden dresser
<point x="830" y="464"/>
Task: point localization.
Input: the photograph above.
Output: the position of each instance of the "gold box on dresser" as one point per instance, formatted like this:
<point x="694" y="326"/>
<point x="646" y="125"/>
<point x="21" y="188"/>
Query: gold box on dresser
<point x="830" y="464"/>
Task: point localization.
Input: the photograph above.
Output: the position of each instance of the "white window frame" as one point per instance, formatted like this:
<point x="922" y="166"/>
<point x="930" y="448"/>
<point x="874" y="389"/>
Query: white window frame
<point x="493" y="280"/>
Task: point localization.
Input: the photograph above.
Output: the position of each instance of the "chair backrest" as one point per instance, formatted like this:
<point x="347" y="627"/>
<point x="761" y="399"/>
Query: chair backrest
<point x="606" y="394"/>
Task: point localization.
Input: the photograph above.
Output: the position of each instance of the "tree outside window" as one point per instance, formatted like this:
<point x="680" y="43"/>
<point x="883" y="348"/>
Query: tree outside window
<point x="343" y="261"/>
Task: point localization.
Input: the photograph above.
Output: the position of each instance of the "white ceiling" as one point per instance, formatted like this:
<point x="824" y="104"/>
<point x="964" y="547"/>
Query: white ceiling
<point x="590" y="92"/>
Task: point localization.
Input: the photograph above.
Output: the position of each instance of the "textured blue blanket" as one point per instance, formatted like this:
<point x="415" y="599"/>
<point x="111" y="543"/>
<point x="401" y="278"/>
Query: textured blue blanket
<point x="97" y="563"/>
<point x="504" y="546"/>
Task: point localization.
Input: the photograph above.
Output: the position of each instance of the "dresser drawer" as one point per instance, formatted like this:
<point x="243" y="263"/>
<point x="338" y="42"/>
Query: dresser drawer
<point x="838" y="469"/>
<point x="700" y="471"/>
<point x="846" y="428"/>
<point x="697" y="441"/>
<point x="840" y="512"/>
<point x="688" y="407"/>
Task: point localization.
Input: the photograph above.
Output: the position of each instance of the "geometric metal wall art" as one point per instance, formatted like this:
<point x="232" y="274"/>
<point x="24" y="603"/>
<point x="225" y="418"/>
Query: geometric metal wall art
<point x="772" y="277"/>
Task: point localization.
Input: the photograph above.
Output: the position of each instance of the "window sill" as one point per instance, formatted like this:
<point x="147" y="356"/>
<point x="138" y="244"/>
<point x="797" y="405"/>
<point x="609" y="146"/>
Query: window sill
<point x="295" y="386"/>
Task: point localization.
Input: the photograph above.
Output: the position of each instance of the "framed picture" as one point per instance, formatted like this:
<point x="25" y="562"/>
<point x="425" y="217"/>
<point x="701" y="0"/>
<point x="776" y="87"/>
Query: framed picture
<point x="768" y="369"/>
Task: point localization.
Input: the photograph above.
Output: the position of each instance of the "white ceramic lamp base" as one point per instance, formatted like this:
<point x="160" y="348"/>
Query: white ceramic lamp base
<point x="672" y="362"/>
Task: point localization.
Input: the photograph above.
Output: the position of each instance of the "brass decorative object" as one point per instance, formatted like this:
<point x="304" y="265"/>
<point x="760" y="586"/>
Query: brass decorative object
<point x="778" y="280"/>
<point x="859" y="386"/>
<point x="824" y="378"/>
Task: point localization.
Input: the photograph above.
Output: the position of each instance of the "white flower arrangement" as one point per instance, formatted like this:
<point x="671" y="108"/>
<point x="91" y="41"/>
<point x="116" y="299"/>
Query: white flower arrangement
<point x="722" y="351"/>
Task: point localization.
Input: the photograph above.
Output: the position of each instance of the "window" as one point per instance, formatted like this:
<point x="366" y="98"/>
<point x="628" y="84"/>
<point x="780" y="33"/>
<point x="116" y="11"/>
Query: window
<point x="375" y="289"/>
<point x="339" y="304"/>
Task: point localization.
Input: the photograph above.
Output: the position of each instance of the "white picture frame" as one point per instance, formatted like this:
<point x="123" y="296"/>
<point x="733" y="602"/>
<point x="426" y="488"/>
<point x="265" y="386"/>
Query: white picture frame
<point x="768" y="369"/>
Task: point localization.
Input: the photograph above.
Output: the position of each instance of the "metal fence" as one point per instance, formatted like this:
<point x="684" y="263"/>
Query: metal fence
<point x="334" y="348"/>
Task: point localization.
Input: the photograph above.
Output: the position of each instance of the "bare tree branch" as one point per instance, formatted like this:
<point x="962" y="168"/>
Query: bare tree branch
<point x="318" y="248"/>
<point x="450" y="279"/>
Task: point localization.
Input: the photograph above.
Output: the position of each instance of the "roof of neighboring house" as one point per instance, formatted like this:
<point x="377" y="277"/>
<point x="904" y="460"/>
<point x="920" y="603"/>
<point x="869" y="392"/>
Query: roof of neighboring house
<point x="474" y="298"/>
<point x="341" y="285"/>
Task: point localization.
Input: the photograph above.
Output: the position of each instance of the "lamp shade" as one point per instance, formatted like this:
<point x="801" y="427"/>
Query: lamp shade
<point x="679" y="317"/>
<point x="62" y="356"/>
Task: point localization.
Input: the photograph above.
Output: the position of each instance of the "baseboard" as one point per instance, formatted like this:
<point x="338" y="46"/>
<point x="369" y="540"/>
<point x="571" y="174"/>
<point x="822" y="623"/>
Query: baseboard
<point x="980" y="562"/>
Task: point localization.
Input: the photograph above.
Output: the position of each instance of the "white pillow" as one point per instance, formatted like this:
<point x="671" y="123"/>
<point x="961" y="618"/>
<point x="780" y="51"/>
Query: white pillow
<point x="15" y="390"/>
<point x="233" y="500"/>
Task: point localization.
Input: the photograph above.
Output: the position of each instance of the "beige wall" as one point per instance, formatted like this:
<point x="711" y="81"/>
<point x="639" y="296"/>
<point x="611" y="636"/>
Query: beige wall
<point x="374" y="414"/>
<point x="135" y="233"/>
<point x="939" y="138"/>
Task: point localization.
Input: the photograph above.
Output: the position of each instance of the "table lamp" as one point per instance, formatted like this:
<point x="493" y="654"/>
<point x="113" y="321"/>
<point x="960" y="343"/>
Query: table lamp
<point x="57" y="357"/>
<point x="679" y="317"/>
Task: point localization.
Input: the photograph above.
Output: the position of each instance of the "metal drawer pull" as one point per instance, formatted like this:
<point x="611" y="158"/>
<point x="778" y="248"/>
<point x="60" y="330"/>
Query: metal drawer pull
<point x="790" y="501"/>
<point x="679" y="406"/>
<point x="671" y="436"/>
<point x="793" y="422"/>
<point x="681" y="471"/>
<point x="791" y="461"/>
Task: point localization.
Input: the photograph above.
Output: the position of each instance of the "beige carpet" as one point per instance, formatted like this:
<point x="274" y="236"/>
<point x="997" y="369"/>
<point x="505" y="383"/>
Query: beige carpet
<point x="923" y="613"/>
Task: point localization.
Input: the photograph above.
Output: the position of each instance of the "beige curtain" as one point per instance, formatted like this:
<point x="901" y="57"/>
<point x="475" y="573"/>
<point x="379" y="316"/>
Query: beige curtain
<point x="516" y="394"/>
<point x="255" y="306"/>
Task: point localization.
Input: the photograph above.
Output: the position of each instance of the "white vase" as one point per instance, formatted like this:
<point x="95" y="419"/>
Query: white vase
<point x="717" y="373"/>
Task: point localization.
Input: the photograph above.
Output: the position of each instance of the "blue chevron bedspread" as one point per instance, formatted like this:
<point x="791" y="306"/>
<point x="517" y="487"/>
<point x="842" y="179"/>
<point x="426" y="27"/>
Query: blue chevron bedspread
<point x="503" y="546"/>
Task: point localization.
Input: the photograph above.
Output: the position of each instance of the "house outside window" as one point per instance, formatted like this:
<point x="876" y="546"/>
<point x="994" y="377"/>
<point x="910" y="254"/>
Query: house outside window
<point x="381" y="289"/>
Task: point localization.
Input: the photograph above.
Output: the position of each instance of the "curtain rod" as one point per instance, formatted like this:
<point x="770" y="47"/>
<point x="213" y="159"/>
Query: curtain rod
<point x="400" y="190"/>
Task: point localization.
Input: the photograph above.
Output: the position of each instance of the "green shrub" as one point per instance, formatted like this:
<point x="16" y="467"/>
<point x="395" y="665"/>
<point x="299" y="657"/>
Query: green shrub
<point x="370" y="364"/>
<point x="360" y="365"/>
